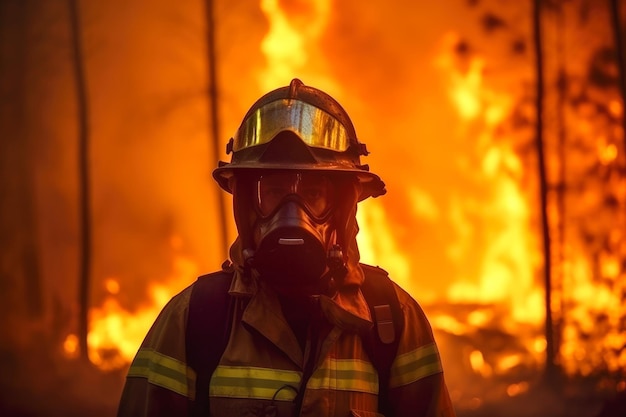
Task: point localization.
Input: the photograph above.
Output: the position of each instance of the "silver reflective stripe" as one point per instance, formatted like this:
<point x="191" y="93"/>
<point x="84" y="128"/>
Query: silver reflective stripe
<point x="345" y="375"/>
<point x="249" y="382"/>
<point x="164" y="371"/>
<point x="415" y="365"/>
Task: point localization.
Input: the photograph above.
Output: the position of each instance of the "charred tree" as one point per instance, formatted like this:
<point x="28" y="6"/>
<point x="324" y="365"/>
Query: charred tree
<point x="543" y="188"/>
<point x="619" y="57"/>
<point x="557" y="281"/>
<point x="214" y="118"/>
<point x="20" y="276"/>
<point x="84" y="178"/>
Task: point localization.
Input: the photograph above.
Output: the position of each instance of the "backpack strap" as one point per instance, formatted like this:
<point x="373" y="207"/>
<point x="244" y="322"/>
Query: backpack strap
<point x="381" y="343"/>
<point x="208" y="329"/>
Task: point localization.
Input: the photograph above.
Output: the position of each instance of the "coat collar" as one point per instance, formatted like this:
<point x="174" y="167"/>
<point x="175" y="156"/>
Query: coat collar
<point x="346" y="311"/>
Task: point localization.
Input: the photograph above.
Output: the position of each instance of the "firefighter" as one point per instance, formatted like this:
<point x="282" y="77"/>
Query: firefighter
<point x="299" y="326"/>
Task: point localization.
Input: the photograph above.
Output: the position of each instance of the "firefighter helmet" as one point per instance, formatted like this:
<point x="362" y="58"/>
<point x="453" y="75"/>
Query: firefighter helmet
<point x="298" y="128"/>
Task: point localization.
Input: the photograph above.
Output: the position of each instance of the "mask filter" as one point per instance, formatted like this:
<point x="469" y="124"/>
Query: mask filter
<point x="291" y="248"/>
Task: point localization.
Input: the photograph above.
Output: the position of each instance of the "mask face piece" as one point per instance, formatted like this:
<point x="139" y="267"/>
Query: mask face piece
<point x="293" y="230"/>
<point x="313" y="191"/>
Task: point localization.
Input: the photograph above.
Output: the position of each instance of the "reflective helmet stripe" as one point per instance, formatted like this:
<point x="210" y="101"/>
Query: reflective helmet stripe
<point x="164" y="371"/>
<point x="415" y="365"/>
<point x="314" y="126"/>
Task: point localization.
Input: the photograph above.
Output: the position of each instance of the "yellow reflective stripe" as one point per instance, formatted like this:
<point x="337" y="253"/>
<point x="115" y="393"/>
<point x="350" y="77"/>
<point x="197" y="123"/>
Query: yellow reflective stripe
<point x="164" y="371"/>
<point x="415" y="365"/>
<point x="345" y="375"/>
<point x="260" y="383"/>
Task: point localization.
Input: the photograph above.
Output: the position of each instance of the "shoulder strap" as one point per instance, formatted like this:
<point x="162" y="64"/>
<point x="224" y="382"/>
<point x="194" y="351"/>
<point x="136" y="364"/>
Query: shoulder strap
<point x="208" y="328"/>
<point x="381" y="344"/>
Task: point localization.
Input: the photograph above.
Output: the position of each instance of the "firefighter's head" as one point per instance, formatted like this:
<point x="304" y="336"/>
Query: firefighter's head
<point x="296" y="177"/>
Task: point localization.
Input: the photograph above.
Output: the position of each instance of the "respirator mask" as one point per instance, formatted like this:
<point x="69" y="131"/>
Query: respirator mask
<point x="296" y="176"/>
<point x="293" y="232"/>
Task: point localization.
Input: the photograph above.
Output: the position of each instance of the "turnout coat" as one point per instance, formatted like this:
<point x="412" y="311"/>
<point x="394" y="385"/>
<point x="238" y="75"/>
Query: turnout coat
<point x="262" y="369"/>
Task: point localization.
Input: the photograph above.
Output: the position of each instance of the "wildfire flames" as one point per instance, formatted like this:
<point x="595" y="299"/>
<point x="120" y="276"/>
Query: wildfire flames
<point x="507" y="265"/>
<point x="478" y="211"/>
<point x="116" y="333"/>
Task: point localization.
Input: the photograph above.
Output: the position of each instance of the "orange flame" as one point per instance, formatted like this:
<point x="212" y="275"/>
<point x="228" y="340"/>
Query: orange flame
<point x="115" y="332"/>
<point x="292" y="36"/>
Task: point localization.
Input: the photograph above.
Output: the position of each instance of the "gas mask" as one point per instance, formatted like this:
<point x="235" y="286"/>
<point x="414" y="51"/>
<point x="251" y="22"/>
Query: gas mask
<point x="293" y="232"/>
<point x="296" y="176"/>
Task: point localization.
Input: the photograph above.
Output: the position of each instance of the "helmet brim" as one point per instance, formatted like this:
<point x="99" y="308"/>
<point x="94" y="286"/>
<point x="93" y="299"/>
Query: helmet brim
<point x="370" y="184"/>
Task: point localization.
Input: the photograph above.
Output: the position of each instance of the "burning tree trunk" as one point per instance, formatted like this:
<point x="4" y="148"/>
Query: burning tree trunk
<point x="84" y="192"/>
<point x="214" y="117"/>
<point x="543" y="183"/>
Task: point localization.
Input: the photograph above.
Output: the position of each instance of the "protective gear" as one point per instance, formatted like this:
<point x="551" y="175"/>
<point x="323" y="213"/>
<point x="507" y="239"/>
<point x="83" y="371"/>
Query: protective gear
<point x="293" y="144"/>
<point x="313" y="192"/>
<point x="314" y="117"/>
<point x="263" y="368"/>
<point x="281" y="359"/>
<point x="292" y="247"/>
<point x="292" y="239"/>
<point x="314" y="126"/>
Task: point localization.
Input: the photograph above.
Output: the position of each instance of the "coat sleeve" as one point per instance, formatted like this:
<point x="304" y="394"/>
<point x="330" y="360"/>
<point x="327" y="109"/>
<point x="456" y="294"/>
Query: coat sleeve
<point x="159" y="383"/>
<point x="416" y="384"/>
